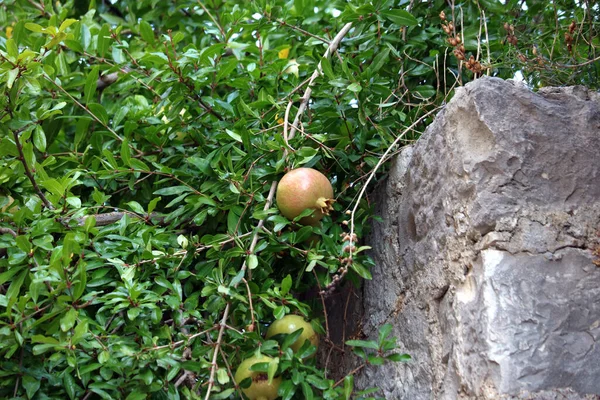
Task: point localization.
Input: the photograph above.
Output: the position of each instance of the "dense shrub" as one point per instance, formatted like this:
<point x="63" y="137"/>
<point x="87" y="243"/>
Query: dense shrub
<point x="141" y="254"/>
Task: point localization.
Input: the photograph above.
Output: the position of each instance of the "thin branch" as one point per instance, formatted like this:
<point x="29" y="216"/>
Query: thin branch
<point x="180" y="342"/>
<point x="578" y="65"/>
<point x="251" y="307"/>
<point x="304" y="32"/>
<point x="87" y="110"/>
<point x="214" y="20"/>
<point x="29" y="173"/>
<point x="354" y="371"/>
<point x="487" y="43"/>
<point x="9" y="231"/>
<point x="40" y="7"/>
<point x="304" y="101"/>
<point x="237" y="387"/>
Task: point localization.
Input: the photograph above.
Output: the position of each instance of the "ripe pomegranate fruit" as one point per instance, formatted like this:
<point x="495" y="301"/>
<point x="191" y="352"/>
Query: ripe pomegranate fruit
<point x="290" y="324"/>
<point x="303" y="188"/>
<point x="260" y="388"/>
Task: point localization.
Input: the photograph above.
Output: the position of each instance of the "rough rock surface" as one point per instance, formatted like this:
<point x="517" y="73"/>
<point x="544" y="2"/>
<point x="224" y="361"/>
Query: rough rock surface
<point x="484" y="259"/>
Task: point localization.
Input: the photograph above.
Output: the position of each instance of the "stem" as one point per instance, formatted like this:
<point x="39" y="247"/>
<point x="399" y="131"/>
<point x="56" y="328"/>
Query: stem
<point x="9" y="231"/>
<point x="28" y="172"/>
<point x="87" y="110"/>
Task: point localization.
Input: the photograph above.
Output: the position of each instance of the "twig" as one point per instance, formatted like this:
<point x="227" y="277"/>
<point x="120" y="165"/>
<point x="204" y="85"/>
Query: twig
<point x="214" y="20"/>
<point x="28" y="172"/>
<point x="578" y="65"/>
<point x="304" y="100"/>
<point x="250" y="301"/>
<point x="286" y="123"/>
<point x="180" y="342"/>
<point x="487" y="43"/>
<point x="296" y="28"/>
<point x="323" y="303"/>
<point x="87" y="110"/>
<point x="183" y="377"/>
<point x="9" y="231"/>
<point x="237" y="387"/>
<point x="112" y="217"/>
<point x="354" y="371"/>
<point x="39" y="6"/>
<point x="332" y="48"/>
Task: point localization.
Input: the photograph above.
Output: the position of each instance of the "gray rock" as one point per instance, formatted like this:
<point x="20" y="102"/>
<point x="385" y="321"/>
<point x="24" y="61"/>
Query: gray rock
<point x="483" y="259"/>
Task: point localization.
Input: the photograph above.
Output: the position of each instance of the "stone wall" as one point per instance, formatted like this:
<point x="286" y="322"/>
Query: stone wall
<point x="483" y="259"/>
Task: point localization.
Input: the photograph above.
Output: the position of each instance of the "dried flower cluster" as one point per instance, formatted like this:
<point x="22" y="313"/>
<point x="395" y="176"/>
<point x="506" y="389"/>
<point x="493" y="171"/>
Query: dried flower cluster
<point x="510" y="34"/>
<point x="569" y="36"/>
<point x="459" y="49"/>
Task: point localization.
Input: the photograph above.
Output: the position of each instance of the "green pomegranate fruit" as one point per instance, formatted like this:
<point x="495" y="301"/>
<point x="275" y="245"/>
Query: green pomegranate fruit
<point x="290" y="324"/>
<point x="304" y="188"/>
<point x="260" y="388"/>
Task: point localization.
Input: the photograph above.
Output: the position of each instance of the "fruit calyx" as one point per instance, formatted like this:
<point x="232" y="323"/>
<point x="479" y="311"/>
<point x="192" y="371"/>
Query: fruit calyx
<point x="325" y="205"/>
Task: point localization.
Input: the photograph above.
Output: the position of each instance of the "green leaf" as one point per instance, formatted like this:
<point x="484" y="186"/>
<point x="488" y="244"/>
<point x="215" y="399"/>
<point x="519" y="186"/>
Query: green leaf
<point x="279" y="312"/>
<point x="53" y="186"/>
<point x="354" y="87"/>
<point x="79" y="286"/>
<point x="68" y="320"/>
<point x="39" y="138"/>
<point x="234" y="135"/>
<point x="91" y="81"/>
<point x="31" y="385"/>
<point x="70" y="386"/>
<point x="136" y="396"/>
<point x="348" y="386"/>
<point x="126" y="152"/>
<point x="103" y="357"/>
<point x="400" y="17"/>
<point x="222" y="376"/>
<point x="378" y="62"/>
<point x="252" y="261"/>
<point x="286" y="285"/>
<point x="80" y="331"/>
<point x="99" y="111"/>
<point x="307" y="391"/>
<point x="273" y="364"/>
<point x="66" y="23"/>
<point x="152" y="204"/>
<point x="291" y="338"/>
<point x="12" y="49"/>
<point x="146" y="32"/>
<point x="103" y="41"/>
<point x="367" y="344"/>
<point x="173" y="190"/>
<point x="15" y="286"/>
<point x="287" y="389"/>
<point x="397" y="357"/>
<point x="361" y="270"/>
<point x="34" y="27"/>
<point x="317" y="382"/>
<point x="11" y="77"/>
<point x="327" y="69"/>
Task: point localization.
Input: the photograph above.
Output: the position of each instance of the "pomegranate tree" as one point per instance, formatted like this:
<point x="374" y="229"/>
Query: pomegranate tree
<point x="301" y="189"/>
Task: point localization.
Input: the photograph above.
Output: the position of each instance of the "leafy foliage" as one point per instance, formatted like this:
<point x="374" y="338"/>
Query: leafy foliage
<point x="140" y="253"/>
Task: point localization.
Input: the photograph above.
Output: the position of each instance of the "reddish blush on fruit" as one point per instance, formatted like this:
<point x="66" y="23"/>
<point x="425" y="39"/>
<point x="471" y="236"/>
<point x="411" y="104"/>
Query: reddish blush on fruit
<point x="301" y="189"/>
